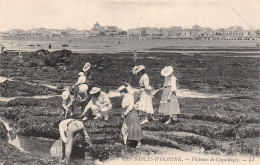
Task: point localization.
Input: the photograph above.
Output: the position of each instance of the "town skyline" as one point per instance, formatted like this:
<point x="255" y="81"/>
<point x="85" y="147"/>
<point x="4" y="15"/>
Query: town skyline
<point x="128" y="14"/>
<point x="196" y="32"/>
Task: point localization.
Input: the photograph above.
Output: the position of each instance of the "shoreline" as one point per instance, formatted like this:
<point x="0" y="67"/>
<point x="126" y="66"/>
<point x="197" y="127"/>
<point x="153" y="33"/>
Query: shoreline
<point x="115" y="46"/>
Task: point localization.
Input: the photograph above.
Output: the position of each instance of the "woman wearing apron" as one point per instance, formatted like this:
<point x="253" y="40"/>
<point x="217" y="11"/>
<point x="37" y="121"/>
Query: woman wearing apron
<point x="169" y="104"/>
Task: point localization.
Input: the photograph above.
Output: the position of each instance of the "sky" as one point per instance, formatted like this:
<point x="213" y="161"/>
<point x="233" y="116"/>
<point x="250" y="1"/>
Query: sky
<point x="127" y="14"/>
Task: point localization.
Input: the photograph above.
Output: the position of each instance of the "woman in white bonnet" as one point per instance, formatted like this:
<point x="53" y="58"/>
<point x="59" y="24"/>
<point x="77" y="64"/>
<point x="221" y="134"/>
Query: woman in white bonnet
<point x="131" y="129"/>
<point x="169" y="104"/>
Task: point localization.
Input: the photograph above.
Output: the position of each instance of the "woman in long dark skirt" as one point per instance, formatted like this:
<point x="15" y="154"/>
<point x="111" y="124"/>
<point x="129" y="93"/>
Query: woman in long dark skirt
<point x="131" y="125"/>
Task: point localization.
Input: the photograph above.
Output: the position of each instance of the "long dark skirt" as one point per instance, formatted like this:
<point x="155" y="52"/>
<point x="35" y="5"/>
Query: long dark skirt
<point x="134" y="129"/>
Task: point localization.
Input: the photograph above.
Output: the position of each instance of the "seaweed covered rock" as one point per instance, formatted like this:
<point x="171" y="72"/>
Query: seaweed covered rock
<point x="249" y="130"/>
<point x="197" y="55"/>
<point x="32" y="63"/>
<point x="38" y="126"/>
<point x="34" y="102"/>
<point x="55" y="57"/>
<point x="101" y="62"/>
<point x="3" y="131"/>
<point x="106" y="151"/>
<point x="175" y="139"/>
<point x="21" y="88"/>
<point x="42" y="52"/>
<point x="62" y="53"/>
<point x="249" y="146"/>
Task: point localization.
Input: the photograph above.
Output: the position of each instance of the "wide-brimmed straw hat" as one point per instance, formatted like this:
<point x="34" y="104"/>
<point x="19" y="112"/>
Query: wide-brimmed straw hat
<point x="86" y="66"/>
<point x="83" y="88"/>
<point x="167" y="71"/>
<point x="121" y="88"/>
<point x="138" y="68"/>
<point x="94" y="90"/>
<point x="65" y="95"/>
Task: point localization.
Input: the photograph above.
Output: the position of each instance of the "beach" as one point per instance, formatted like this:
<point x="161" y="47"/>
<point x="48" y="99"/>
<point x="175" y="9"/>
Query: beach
<point x="219" y="107"/>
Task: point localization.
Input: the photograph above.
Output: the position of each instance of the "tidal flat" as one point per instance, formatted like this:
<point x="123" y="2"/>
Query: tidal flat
<point x="228" y="124"/>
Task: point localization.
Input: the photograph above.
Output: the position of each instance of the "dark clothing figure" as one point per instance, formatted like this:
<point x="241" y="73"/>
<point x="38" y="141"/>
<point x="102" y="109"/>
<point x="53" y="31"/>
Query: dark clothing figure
<point x="91" y="80"/>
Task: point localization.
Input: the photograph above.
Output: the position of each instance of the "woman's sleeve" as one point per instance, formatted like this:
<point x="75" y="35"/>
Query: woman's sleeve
<point x="173" y="84"/>
<point x="90" y="103"/>
<point x="146" y="84"/>
<point x="64" y="102"/>
<point x="106" y="99"/>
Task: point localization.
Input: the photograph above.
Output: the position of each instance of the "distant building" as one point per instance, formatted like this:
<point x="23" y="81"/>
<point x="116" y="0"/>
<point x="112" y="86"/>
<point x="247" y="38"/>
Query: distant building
<point x="186" y="33"/>
<point x="235" y="33"/>
<point x="156" y="33"/>
<point x="98" y="30"/>
<point x="196" y="32"/>
<point x="220" y="34"/>
<point x="112" y="30"/>
<point x="175" y="31"/>
<point x="164" y="32"/>
<point x="134" y="32"/>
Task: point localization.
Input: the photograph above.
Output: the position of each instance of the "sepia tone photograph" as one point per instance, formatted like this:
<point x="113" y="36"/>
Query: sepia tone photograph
<point x="123" y="82"/>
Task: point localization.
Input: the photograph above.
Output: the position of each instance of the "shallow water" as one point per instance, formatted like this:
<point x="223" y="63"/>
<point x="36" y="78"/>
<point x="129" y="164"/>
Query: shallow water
<point x="3" y="79"/>
<point x="181" y="93"/>
<point x="55" y="87"/>
<point x="6" y="99"/>
<point x="15" y="141"/>
<point x="38" y="146"/>
<point x="25" y="144"/>
<point x="186" y="93"/>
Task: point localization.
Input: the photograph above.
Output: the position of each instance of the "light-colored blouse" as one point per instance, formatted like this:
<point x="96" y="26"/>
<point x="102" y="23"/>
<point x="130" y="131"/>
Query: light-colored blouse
<point x="144" y="82"/>
<point x="128" y="102"/>
<point x="170" y="81"/>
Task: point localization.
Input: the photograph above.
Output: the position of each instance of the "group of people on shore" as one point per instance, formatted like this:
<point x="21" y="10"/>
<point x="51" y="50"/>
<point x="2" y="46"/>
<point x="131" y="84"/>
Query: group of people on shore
<point x="90" y="97"/>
